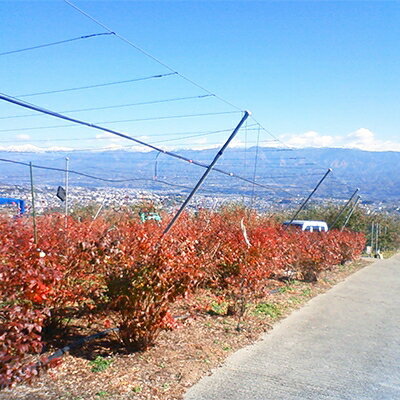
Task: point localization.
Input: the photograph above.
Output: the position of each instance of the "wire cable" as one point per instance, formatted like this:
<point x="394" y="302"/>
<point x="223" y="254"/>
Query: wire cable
<point x="40" y="46"/>
<point x="116" y="106"/>
<point x="124" y="120"/>
<point x="148" y="54"/>
<point x="172" y="70"/>
<point x="87" y="175"/>
<point x="145" y="78"/>
<point x="159" y="141"/>
<point x="73" y="172"/>
<point x="268" y="132"/>
<point x="69" y="171"/>
<point x="192" y="133"/>
<point x="291" y="149"/>
<point x="33" y="107"/>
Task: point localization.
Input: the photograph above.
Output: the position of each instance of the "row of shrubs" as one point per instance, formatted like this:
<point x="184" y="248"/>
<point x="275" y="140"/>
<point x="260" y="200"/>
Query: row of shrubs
<point x="129" y="270"/>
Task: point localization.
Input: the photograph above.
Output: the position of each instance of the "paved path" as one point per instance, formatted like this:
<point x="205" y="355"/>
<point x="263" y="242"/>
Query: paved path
<point x="344" y="344"/>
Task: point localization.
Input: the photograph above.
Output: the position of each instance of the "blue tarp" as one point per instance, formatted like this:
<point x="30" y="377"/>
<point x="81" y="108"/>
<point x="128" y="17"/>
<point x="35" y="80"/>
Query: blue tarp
<point x="20" y="203"/>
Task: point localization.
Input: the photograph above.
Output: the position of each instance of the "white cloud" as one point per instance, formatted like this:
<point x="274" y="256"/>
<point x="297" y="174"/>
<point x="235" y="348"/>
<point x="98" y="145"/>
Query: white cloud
<point x="363" y="139"/>
<point x="309" y="139"/>
<point x="115" y="146"/>
<point x="30" y="148"/>
<point x="108" y="136"/>
<point x="200" y="141"/>
<point x="22" y="137"/>
<point x="204" y="146"/>
<point x="237" y="143"/>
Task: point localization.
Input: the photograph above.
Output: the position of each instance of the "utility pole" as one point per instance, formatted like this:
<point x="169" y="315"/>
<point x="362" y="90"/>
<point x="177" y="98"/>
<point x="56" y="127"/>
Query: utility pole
<point x="344" y="208"/>
<point x="309" y="197"/>
<point x="35" y="239"/>
<point x="208" y="170"/>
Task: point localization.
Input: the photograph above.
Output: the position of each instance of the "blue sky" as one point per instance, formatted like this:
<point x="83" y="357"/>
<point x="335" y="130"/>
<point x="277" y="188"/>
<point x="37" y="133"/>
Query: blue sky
<point x="313" y="73"/>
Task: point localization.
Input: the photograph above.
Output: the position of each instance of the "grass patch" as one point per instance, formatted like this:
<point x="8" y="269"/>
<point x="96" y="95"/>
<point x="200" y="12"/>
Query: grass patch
<point x="100" y="364"/>
<point x="218" y="308"/>
<point x="269" y="309"/>
<point x="137" y="389"/>
<point x="306" y="292"/>
<point x="102" y="394"/>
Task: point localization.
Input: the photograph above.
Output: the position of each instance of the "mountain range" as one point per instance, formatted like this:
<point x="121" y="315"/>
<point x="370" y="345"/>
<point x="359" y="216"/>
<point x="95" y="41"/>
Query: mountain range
<point x="282" y="173"/>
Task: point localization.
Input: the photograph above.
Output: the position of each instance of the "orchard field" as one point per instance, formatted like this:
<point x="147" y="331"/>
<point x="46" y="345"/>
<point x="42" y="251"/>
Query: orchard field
<point x="119" y="272"/>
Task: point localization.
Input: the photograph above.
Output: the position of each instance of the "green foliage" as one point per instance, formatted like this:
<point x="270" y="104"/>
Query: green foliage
<point x="137" y="389"/>
<point x="102" y="394"/>
<point x="289" y="287"/>
<point x="218" y="308"/>
<point x="272" y="310"/>
<point x="100" y="364"/>
<point x="306" y="292"/>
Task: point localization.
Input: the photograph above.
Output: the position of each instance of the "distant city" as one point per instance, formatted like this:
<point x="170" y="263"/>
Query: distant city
<point x="120" y="198"/>
<point x="283" y="179"/>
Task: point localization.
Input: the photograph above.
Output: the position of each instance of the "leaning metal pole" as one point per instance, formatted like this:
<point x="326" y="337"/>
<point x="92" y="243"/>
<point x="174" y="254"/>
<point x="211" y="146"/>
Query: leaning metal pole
<point x="372" y="236"/>
<point x="344" y="208"/>
<point x="208" y="170"/>
<point x="66" y="190"/>
<point x="351" y="212"/>
<point x="378" y="226"/>
<point x="66" y="185"/>
<point x="35" y="238"/>
<point x="308" y="198"/>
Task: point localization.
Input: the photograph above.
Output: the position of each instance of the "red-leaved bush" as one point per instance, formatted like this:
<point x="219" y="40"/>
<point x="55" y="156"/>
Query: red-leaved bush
<point x="132" y="272"/>
<point x="145" y="273"/>
<point x="24" y="281"/>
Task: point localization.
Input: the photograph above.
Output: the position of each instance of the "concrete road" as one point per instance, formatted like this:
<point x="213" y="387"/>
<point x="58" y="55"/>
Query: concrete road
<point x="344" y="344"/>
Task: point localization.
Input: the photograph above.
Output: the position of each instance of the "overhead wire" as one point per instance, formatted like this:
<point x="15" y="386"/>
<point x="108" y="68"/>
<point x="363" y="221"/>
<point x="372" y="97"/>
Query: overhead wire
<point x="289" y="148"/>
<point x="147" y="54"/>
<point x="40" y="46"/>
<point x="165" y="65"/>
<point x="117" y="106"/>
<point x="173" y="71"/>
<point x="74" y="172"/>
<point x="33" y="107"/>
<point x="108" y="180"/>
<point x="124" y="120"/>
<point x="276" y="138"/>
<point x="112" y="138"/>
<point x="191" y="136"/>
<point x="118" y="147"/>
<point x="64" y="170"/>
<point x="145" y="78"/>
